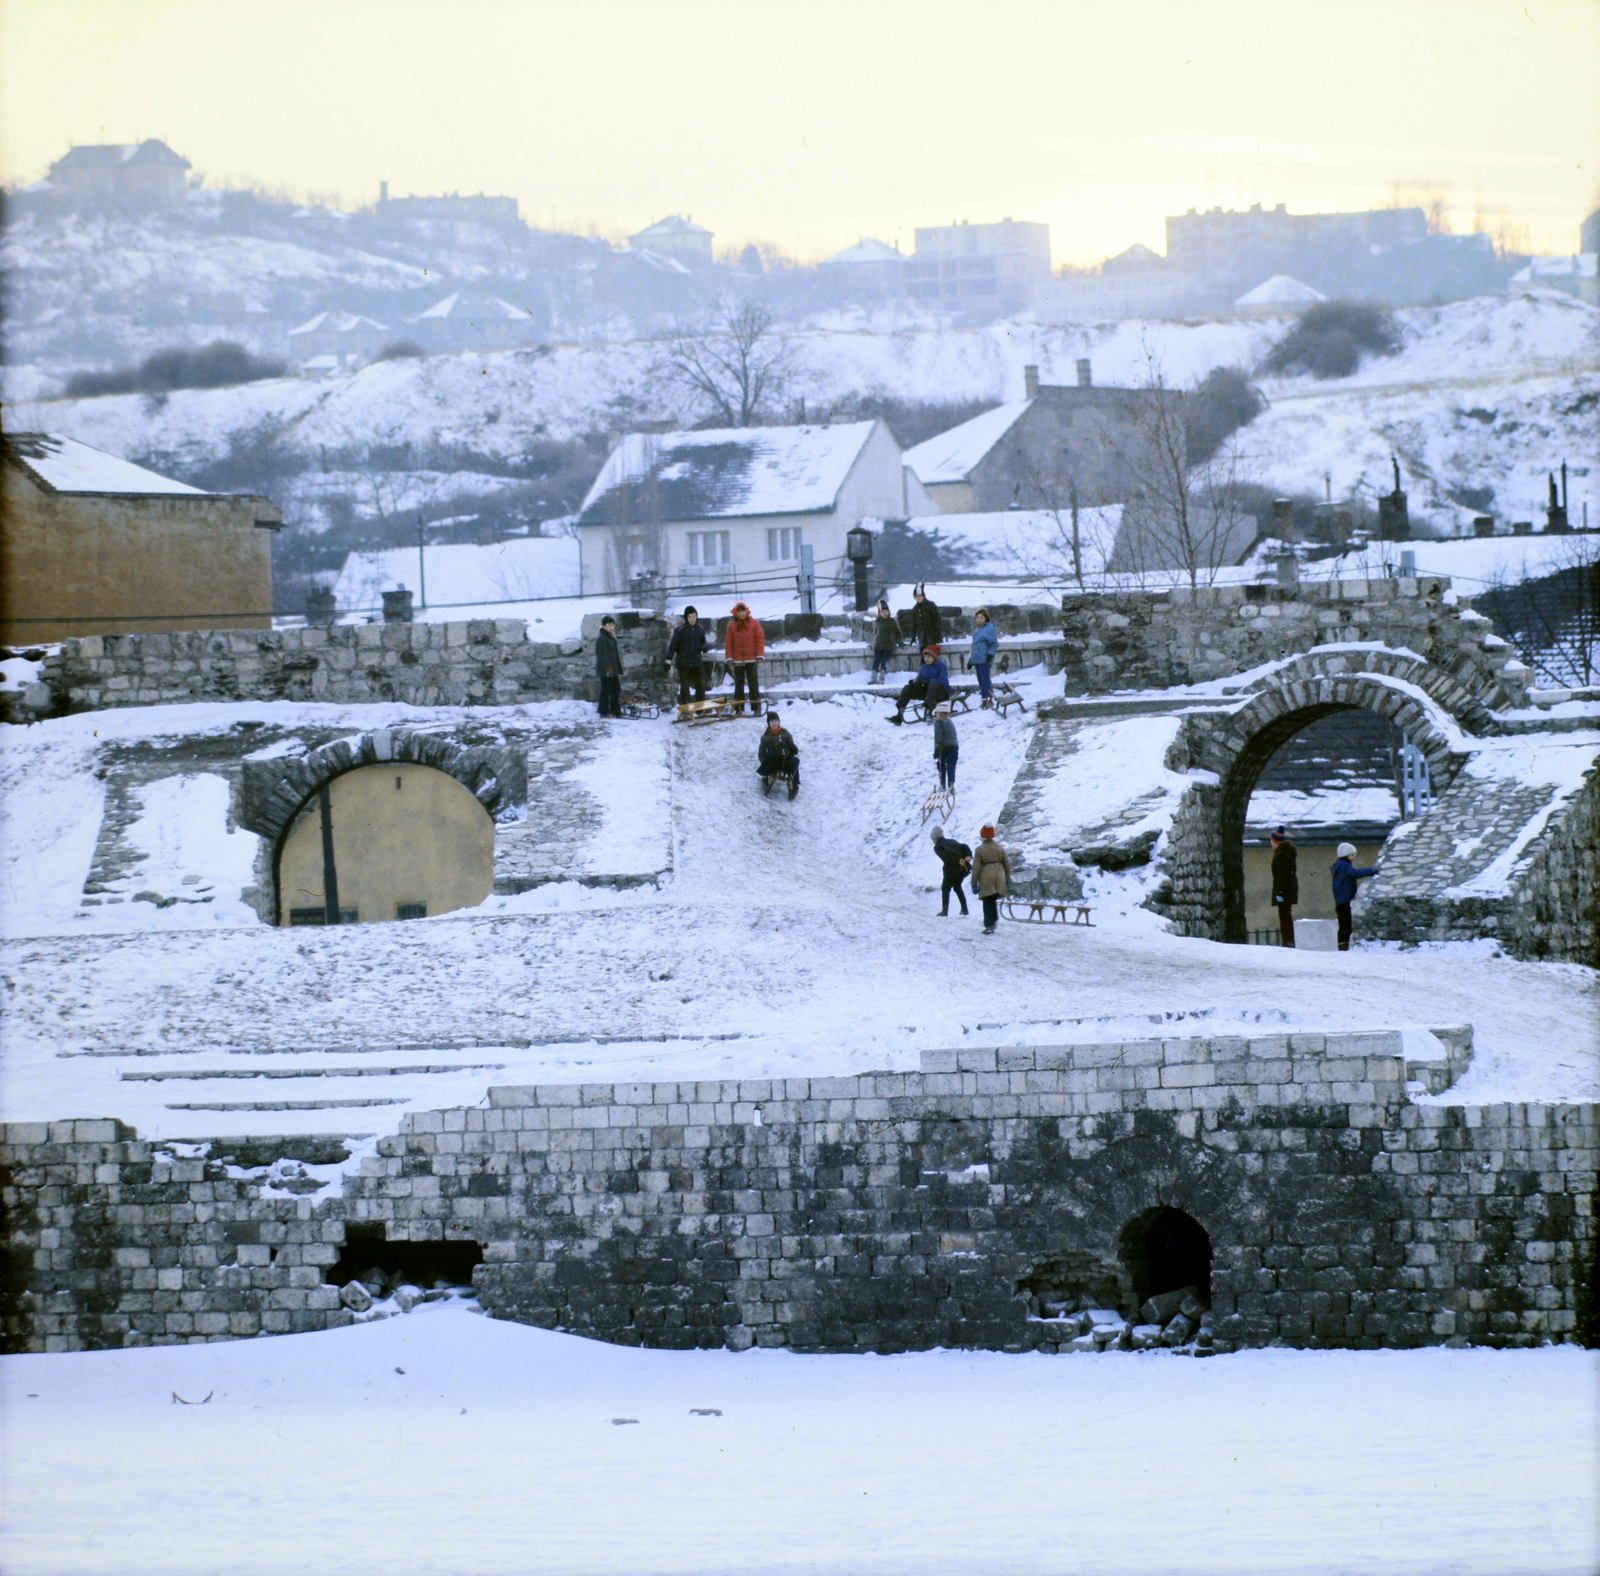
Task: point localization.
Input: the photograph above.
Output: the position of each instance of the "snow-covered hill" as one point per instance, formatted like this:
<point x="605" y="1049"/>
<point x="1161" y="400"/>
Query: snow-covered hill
<point x="1483" y="399"/>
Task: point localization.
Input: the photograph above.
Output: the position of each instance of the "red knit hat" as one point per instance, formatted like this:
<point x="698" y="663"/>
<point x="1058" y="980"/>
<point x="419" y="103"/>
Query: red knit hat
<point x="985" y="831"/>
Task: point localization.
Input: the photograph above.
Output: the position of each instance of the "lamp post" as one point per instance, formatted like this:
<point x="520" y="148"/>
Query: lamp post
<point x="858" y="549"/>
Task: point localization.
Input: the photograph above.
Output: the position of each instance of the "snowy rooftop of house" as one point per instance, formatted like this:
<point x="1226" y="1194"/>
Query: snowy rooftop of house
<point x="107" y="154"/>
<point x="951" y="456"/>
<point x="725" y="473"/>
<point x="666" y="265"/>
<point x="1280" y="290"/>
<point x="64" y="465"/>
<point x="338" y="323"/>
<point x="671" y="225"/>
<point x="464" y="304"/>
<point x="866" y="251"/>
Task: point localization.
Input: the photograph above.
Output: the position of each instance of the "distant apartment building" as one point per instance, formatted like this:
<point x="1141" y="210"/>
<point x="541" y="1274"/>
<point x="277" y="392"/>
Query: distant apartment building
<point x="1134" y="283"/>
<point x="1257" y="242"/>
<point x="870" y="267"/>
<point x="677" y="238"/>
<point x="139" y="175"/>
<point x="992" y="267"/>
<point x="453" y="207"/>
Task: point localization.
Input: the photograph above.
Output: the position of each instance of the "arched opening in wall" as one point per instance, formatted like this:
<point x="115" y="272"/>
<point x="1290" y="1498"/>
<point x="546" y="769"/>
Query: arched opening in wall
<point x="1338" y="779"/>
<point x="391" y="841"/>
<point x="1165" y="1250"/>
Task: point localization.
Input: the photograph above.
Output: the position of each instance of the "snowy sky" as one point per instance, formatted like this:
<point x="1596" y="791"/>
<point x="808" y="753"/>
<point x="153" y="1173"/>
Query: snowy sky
<point x="809" y="125"/>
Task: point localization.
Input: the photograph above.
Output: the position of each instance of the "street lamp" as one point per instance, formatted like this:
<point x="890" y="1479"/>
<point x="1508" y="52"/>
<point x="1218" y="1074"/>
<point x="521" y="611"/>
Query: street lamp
<point x="858" y="549"/>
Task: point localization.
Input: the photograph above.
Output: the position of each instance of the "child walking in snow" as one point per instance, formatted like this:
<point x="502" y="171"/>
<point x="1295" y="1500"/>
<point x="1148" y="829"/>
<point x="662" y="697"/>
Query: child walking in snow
<point x="946" y="747"/>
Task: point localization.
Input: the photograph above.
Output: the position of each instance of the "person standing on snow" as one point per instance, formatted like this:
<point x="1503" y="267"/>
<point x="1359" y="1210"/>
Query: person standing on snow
<point x="744" y="645"/>
<point x="991" y="871"/>
<point x="777" y="755"/>
<point x="927" y="629"/>
<point x="956" y="860"/>
<point x="1285" y="882"/>
<point x="932" y="684"/>
<point x="688" y="645"/>
<point x="608" y="667"/>
<point x="885" y="642"/>
<point x="985" y="643"/>
<point x="1346" y="882"/>
<point x="946" y="747"/>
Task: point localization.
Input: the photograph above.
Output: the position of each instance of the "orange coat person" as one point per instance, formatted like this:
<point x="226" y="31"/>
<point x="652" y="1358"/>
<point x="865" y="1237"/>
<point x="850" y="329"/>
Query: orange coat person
<point x="744" y="645"/>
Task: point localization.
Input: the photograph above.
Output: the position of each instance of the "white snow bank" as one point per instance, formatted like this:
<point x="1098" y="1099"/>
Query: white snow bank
<point x="442" y="1441"/>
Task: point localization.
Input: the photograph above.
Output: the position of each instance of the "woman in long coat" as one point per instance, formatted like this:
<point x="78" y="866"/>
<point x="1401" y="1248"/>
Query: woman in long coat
<point x="991" y="871"/>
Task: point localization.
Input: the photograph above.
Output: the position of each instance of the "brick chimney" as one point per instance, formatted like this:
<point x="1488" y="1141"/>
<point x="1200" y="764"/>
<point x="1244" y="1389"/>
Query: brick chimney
<point x="1030" y="382"/>
<point x="1085" y="380"/>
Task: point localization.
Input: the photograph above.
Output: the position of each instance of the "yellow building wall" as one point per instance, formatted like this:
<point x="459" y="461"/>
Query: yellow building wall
<point x="402" y="833"/>
<point x="107" y="564"/>
<point x="952" y="497"/>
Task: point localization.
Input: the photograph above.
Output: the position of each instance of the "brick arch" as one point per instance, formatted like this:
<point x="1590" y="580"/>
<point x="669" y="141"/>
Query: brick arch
<point x="275" y="791"/>
<point x="1205" y="849"/>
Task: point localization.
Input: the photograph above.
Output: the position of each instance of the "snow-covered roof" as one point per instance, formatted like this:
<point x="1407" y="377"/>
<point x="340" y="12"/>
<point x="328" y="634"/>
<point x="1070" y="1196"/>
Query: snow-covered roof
<point x="866" y="251"/>
<point x="339" y="323"/>
<point x="467" y="303"/>
<point x="725" y="473"/>
<point x="951" y="456"/>
<point x="67" y="466"/>
<point x="1280" y="290"/>
<point x="667" y="265"/>
<point x="1583" y="265"/>
<point x="464" y="574"/>
<point x="671" y="225"/>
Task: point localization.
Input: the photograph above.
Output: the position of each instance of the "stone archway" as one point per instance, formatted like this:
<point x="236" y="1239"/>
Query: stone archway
<point x="276" y="792"/>
<point x="1204" y="854"/>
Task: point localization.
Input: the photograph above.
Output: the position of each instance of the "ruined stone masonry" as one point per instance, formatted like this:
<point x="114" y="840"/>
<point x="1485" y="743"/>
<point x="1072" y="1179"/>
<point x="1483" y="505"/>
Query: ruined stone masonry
<point x="886" y="1211"/>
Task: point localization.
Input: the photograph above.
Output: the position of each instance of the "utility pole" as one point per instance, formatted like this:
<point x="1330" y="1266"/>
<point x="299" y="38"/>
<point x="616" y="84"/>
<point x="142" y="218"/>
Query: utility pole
<point x="422" y="568"/>
<point x="807" y="580"/>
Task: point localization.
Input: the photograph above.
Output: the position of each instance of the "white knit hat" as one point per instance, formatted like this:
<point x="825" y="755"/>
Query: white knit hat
<point x="1346" y="851"/>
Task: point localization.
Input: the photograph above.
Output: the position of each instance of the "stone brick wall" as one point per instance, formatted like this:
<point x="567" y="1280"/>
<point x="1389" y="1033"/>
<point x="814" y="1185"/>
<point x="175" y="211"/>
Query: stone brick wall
<point x="1153" y="640"/>
<point x="489" y="662"/>
<point x="882" y="1211"/>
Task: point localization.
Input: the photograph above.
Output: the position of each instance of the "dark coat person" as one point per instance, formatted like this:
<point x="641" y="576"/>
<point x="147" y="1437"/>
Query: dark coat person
<point x="1346" y="882"/>
<point x="927" y="628"/>
<point x="1285" y="883"/>
<point x="956" y="860"/>
<point x="688" y="647"/>
<point x="885" y="642"/>
<point x="777" y="755"/>
<point x="931" y="685"/>
<point x="608" y="668"/>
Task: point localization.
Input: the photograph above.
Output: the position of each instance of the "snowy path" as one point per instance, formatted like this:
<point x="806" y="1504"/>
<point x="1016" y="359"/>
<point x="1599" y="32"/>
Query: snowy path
<point x="445" y="1442"/>
<point x="805" y="929"/>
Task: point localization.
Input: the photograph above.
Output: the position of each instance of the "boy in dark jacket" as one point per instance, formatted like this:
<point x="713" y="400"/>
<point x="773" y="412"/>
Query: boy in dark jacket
<point x="927" y="628"/>
<point x="1285" y="883"/>
<point x="608" y="667"/>
<point x="777" y="756"/>
<point x="688" y="645"/>
<point x="1346" y="882"/>
<point x="946" y="747"/>
<point x="885" y="642"/>
<point x="932" y="684"/>
<point x="956" y="858"/>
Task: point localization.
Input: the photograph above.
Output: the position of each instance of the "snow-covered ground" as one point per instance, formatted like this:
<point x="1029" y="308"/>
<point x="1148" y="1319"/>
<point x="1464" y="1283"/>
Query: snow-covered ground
<point x="447" y="1442"/>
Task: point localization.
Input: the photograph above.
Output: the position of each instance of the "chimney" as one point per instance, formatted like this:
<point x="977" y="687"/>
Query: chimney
<point x="1283" y="519"/>
<point x="321" y="607"/>
<point x="1483" y="525"/>
<point x="1030" y="382"/>
<point x="397" y="606"/>
<point x="383" y="191"/>
<point x="1084" y="378"/>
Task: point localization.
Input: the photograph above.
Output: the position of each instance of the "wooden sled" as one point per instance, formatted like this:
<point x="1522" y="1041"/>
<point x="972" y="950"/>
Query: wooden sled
<point x="1005" y="697"/>
<point x="1035" y="910"/>
<point x="632" y="706"/>
<point x="958" y="700"/>
<point x="941" y="802"/>
<point x="717" y="709"/>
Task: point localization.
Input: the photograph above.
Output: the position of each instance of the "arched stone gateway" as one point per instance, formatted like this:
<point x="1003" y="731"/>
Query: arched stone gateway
<point x="1205" y="852"/>
<point x="457" y="794"/>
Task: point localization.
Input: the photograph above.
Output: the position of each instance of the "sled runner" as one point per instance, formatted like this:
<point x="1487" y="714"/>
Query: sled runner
<point x="1035" y="907"/>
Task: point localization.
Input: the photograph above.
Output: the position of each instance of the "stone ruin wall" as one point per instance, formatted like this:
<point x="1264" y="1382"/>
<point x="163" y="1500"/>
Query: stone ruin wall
<point x="885" y="1211"/>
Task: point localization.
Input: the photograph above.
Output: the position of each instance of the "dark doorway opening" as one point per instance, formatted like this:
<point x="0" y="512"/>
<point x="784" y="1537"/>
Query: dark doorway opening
<point x="1166" y="1250"/>
<point x="380" y="1265"/>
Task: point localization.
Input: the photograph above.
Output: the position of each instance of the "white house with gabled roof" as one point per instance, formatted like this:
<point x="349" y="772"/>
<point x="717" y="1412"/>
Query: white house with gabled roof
<point x="733" y="506"/>
<point x="675" y="237"/>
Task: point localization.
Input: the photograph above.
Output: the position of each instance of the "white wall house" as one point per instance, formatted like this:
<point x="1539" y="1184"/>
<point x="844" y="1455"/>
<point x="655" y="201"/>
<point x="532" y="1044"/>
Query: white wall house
<point x="731" y="507"/>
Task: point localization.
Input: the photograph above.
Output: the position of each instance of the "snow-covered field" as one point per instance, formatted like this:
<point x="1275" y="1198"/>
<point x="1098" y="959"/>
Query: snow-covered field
<point x="445" y="1442"/>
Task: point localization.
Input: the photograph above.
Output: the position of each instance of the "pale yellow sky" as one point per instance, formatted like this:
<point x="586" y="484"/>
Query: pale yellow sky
<point x="810" y="123"/>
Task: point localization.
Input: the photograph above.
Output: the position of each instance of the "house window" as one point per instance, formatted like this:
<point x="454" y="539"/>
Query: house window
<point x="319" y="916"/>
<point x="783" y="543"/>
<point x="411" y="911"/>
<point x="708" y="549"/>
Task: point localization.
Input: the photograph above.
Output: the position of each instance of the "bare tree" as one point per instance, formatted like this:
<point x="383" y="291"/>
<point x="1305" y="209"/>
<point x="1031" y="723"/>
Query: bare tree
<point x="1553" y="620"/>
<point x="1193" y="519"/>
<point x="738" y="369"/>
<point x="1076" y="543"/>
